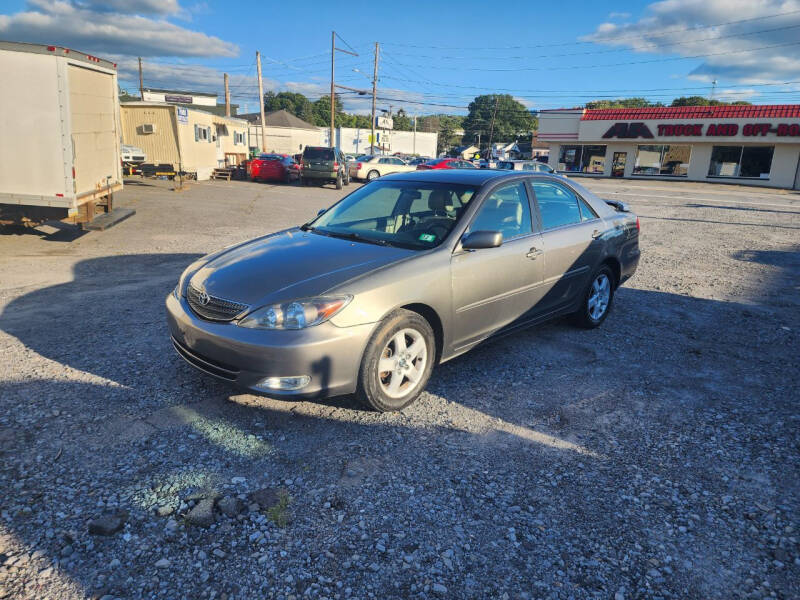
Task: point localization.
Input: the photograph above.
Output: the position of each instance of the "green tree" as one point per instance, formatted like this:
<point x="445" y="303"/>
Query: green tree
<point x="321" y="111"/>
<point x="402" y="122"/>
<point x="295" y="103"/>
<point x="700" y="101"/>
<point x="498" y="116"/>
<point x="622" y="103"/>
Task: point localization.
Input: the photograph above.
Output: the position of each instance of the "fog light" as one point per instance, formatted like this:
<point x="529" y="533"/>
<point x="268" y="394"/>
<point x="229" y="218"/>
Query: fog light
<point x="284" y="383"/>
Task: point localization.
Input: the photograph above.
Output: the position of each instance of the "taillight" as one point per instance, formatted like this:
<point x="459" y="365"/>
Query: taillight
<point x="638" y="227"/>
<point x="335" y="166"/>
<point x="358" y="166"/>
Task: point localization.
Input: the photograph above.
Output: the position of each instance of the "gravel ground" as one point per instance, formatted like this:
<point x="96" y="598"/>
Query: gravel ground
<point x="655" y="457"/>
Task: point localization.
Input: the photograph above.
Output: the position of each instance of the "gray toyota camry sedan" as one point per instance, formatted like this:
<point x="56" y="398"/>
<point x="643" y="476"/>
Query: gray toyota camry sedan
<point x="406" y="272"/>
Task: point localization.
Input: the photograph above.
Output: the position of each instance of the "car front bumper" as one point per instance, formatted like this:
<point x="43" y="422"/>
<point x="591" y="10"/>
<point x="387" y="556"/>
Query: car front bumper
<point x="329" y="355"/>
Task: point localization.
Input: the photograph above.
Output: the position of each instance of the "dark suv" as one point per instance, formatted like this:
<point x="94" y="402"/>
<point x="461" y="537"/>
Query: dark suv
<point x="324" y="165"/>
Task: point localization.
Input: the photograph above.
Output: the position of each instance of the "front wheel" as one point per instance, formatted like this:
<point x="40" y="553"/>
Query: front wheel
<point x="596" y="300"/>
<point x="397" y="362"/>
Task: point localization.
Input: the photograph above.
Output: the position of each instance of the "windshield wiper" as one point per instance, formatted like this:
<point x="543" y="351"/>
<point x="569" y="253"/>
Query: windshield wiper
<point x="306" y="227"/>
<point x="351" y="235"/>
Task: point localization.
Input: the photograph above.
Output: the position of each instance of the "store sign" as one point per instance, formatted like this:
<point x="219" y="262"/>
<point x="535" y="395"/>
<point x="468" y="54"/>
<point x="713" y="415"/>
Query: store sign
<point x="178" y="99"/>
<point x="641" y="130"/>
<point x="183" y="115"/>
<point x="628" y="131"/>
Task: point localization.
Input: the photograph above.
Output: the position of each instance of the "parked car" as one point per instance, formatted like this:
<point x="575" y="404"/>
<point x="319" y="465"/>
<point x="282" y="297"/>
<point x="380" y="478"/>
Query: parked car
<point x="419" y="160"/>
<point x="402" y="274"/>
<point x="273" y="167"/>
<point x="446" y="163"/>
<point x="524" y="165"/>
<point x="323" y="165"/>
<point x="372" y="167"/>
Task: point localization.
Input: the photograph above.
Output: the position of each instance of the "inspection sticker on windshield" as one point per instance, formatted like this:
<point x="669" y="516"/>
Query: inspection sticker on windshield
<point x="427" y="237"/>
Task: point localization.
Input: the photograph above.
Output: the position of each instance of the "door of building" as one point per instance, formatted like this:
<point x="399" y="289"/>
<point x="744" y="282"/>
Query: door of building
<point x="618" y="164"/>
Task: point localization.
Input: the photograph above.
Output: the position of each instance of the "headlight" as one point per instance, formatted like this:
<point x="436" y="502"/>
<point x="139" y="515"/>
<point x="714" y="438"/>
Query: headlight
<point x="297" y="314"/>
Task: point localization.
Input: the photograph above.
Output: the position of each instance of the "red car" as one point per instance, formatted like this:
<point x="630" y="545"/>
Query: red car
<point x="273" y="167"/>
<point x="445" y="163"/>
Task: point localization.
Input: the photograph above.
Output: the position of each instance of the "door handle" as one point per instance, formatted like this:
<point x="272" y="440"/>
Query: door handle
<point x="533" y="253"/>
<point x="596" y="234"/>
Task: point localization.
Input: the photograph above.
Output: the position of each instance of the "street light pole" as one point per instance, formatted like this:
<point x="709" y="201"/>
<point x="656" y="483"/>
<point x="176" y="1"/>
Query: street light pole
<point x="374" y="97"/>
<point x="261" y="104"/>
<point x="333" y="97"/>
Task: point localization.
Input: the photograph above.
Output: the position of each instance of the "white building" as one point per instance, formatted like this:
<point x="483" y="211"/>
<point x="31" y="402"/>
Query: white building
<point x="356" y="141"/>
<point x="747" y="145"/>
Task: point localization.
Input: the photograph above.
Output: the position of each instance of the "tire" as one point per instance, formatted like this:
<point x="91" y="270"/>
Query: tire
<point x="339" y="183"/>
<point x="377" y="390"/>
<point x="372" y="175"/>
<point x="587" y="315"/>
<point x="347" y="180"/>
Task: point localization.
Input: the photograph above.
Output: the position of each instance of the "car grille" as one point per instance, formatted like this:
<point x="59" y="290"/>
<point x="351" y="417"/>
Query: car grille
<point x="216" y="309"/>
<point x="206" y="364"/>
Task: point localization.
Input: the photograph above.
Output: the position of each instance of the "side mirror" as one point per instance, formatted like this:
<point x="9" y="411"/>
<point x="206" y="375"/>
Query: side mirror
<point x="478" y="240"/>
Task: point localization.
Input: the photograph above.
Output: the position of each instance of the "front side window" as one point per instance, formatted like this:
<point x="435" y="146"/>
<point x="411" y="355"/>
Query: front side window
<point x="663" y="159"/>
<point x="402" y="213"/>
<point x="741" y="161"/>
<point x="558" y="206"/>
<point x="506" y="210"/>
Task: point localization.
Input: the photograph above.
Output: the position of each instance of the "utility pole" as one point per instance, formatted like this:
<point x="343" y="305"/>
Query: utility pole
<point x="414" y="147"/>
<point x="141" y="81"/>
<point x="491" y="128"/>
<point x="374" y="97"/>
<point x="227" y="97"/>
<point x="333" y="81"/>
<point x="261" y="104"/>
<point x="333" y="95"/>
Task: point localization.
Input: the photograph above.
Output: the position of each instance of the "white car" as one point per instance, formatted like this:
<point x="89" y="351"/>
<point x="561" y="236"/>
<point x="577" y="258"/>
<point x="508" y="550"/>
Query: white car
<point x="372" y="167"/>
<point x="524" y="165"/>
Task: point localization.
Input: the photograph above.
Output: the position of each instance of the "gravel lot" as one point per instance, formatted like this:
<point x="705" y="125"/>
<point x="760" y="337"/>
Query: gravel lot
<point x="655" y="457"/>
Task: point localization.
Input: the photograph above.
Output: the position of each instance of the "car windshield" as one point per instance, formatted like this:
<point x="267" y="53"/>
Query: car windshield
<point x="318" y="154"/>
<point x="408" y="214"/>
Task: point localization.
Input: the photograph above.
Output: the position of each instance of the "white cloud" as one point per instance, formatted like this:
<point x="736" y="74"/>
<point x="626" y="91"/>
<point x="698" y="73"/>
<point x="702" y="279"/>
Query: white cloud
<point x="133" y="7"/>
<point x="83" y="27"/>
<point x="675" y="26"/>
<point x="619" y="15"/>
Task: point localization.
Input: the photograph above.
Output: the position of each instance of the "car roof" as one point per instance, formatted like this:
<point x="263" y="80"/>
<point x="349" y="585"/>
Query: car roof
<point x="462" y="176"/>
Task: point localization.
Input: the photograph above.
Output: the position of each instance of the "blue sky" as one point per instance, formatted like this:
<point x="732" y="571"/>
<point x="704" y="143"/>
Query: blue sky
<point x="436" y="56"/>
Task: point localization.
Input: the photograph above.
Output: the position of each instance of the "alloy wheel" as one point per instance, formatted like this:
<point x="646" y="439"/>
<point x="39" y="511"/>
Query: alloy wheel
<point x="402" y="363"/>
<point x="599" y="296"/>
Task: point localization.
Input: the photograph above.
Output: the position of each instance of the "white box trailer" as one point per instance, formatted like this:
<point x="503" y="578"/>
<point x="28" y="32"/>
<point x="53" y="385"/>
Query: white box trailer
<point x="60" y="148"/>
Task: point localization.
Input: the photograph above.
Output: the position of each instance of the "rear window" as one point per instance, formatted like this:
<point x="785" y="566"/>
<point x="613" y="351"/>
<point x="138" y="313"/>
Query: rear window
<point x="435" y="161"/>
<point x="318" y="153"/>
<point x="269" y="157"/>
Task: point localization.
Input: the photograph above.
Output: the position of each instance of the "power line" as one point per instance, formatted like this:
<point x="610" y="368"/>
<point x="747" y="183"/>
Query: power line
<point x="599" y="40"/>
<point x="592" y="52"/>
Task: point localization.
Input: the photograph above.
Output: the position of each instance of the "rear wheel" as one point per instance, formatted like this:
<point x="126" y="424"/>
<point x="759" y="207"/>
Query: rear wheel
<point x="596" y="300"/>
<point x="373" y="175"/>
<point x="339" y="182"/>
<point x="397" y="362"/>
<point x="347" y="179"/>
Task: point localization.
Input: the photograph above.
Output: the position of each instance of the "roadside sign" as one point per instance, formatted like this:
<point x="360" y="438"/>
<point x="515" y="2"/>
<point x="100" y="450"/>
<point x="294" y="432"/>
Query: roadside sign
<point x="384" y="122"/>
<point x="183" y="115"/>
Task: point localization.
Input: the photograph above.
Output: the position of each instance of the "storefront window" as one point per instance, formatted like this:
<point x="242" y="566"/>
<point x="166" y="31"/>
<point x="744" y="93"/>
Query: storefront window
<point x="741" y="161"/>
<point x="593" y="159"/>
<point x="582" y="159"/>
<point x="570" y="158"/>
<point x="666" y="159"/>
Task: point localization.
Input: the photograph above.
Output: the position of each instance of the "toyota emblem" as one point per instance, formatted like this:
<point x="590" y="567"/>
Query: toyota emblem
<point x="203" y="298"/>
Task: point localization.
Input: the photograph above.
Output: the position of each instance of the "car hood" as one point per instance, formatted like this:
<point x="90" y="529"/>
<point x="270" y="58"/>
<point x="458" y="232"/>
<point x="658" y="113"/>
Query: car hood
<point x="289" y="265"/>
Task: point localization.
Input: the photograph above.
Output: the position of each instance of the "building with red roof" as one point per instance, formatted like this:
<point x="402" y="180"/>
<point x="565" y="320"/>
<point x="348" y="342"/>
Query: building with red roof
<point x="750" y="145"/>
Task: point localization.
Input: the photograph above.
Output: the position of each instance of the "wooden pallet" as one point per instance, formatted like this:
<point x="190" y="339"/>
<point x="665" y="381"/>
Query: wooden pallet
<point x="225" y="174"/>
